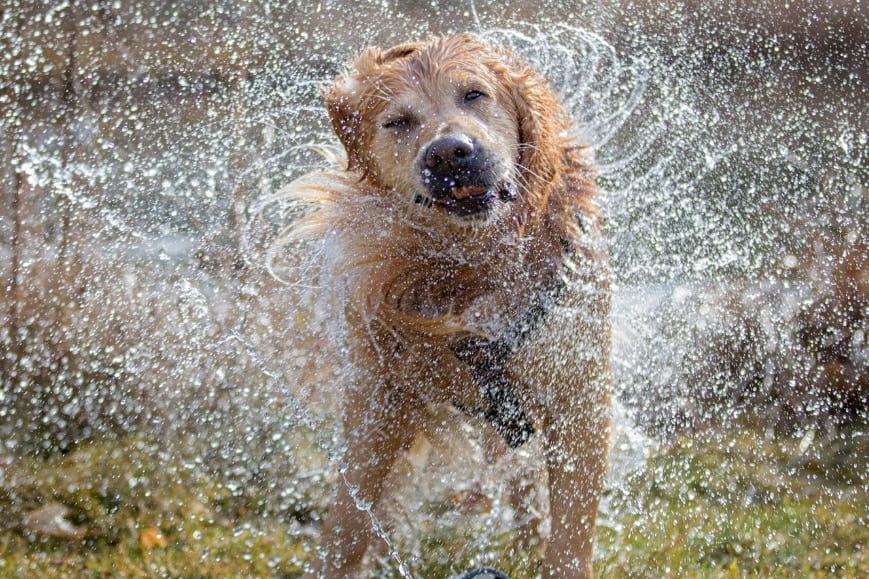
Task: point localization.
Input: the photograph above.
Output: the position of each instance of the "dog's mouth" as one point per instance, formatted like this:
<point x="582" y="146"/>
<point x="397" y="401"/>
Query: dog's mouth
<point x="468" y="200"/>
<point x="462" y="177"/>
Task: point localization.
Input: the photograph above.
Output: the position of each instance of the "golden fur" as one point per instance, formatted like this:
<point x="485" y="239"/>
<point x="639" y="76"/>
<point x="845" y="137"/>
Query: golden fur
<point x="419" y="263"/>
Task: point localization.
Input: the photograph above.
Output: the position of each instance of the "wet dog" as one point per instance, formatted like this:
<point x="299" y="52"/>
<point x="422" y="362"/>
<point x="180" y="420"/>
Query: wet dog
<point x="463" y="245"/>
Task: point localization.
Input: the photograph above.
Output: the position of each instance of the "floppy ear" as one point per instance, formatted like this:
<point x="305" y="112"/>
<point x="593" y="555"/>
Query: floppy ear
<point x="401" y="51"/>
<point x="343" y="99"/>
<point x="542" y="126"/>
<point x="348" y="98"/>
<point x="558" y="173"/>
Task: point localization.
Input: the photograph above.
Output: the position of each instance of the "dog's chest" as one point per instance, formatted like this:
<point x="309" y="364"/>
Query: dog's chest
<point x="479" y="300"/>
<point x="485" y="301"/>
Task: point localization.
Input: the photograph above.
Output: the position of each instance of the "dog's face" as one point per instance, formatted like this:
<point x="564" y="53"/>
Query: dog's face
<point x="448" y="141"/>
<point x="445" y="125"/>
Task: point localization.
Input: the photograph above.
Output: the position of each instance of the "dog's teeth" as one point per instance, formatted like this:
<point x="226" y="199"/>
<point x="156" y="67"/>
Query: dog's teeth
<point x="468" y="191"/>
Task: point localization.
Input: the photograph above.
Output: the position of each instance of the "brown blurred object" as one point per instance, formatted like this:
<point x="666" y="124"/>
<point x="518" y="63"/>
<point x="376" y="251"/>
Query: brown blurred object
<point x="833" y="326"/>
<point x="151" y="538"/>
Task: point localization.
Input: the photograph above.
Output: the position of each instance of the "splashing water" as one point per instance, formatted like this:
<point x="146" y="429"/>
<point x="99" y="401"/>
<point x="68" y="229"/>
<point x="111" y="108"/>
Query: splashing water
<point x="143" y="146"/>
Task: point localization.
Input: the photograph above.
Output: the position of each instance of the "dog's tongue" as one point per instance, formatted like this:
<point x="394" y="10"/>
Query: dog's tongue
<point x="468" y="191"/>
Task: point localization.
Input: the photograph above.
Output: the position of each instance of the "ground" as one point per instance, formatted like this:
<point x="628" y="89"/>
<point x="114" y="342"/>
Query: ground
<point x="733" y="504"/>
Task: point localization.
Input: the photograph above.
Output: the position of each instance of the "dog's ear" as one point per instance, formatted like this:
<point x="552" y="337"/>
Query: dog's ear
<point x="542" y="125"/>
<point x="348" y="98"/>
<point x="343" y="103"/>
<point x="401" y="51"/>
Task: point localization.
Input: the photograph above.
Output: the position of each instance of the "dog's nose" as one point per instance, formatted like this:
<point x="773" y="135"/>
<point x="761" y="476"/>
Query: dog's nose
<point x="450" y="153"/>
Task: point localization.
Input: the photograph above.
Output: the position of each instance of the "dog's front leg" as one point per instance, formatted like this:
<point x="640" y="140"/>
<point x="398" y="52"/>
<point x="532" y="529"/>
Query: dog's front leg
<point x="576" y="456"/>
<point x="379" y="423"/>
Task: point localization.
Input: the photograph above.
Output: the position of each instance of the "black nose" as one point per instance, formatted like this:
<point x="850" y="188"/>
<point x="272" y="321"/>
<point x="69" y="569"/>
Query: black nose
<point x="450" y="153"/>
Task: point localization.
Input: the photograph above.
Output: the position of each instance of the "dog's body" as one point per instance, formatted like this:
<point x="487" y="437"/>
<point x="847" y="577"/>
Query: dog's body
<point x="465" y="250"/>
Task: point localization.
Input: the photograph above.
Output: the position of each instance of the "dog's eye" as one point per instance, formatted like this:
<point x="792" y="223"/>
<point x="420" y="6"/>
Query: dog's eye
<point x="472" y="95"/>
<point x="396" y="123"/>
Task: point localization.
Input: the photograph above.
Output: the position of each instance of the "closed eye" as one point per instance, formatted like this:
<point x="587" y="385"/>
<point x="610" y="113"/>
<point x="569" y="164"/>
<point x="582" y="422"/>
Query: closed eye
<point x="396" y="123"/>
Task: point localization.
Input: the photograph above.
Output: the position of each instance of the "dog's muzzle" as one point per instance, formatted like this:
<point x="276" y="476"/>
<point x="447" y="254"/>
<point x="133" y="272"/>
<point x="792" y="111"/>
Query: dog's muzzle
<point x="461" y="176"/>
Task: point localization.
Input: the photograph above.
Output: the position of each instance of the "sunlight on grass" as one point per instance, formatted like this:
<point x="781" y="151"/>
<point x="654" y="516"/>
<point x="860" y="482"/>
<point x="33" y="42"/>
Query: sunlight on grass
<point x="742" y="505"/>
<point x="733" y="505"/>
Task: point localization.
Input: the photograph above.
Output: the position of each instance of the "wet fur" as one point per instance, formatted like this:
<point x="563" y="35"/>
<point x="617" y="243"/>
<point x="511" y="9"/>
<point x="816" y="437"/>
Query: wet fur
<point x="413" y="279"/>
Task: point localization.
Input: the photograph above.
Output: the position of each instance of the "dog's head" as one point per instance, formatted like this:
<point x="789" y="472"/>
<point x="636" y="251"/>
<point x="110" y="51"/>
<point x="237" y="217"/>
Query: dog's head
<point x="453" y="126"/>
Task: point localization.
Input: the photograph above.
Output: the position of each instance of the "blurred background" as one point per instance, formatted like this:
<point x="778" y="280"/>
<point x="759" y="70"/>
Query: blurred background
<point x="142" y="142"/>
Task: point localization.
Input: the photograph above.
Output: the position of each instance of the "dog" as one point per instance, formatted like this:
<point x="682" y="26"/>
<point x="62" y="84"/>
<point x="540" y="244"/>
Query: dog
<point x="463" y="248"/>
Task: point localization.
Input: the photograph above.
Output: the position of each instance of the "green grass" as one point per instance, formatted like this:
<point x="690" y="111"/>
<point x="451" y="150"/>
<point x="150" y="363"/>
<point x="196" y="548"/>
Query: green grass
<point x="742" y="505"/>
<point x="123" y="495"/>
<point x="734" y="505"/>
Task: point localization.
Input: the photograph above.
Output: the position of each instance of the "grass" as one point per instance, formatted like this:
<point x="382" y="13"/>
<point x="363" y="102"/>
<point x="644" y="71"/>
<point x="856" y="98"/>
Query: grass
<point x="141" y="517"/>
<point x="737" y="504"/>
<point x="743" y="505"/>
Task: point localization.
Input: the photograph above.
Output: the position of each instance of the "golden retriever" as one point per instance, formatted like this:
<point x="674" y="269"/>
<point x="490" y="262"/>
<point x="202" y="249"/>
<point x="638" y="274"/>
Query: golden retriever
<point x="464" y="248"/>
